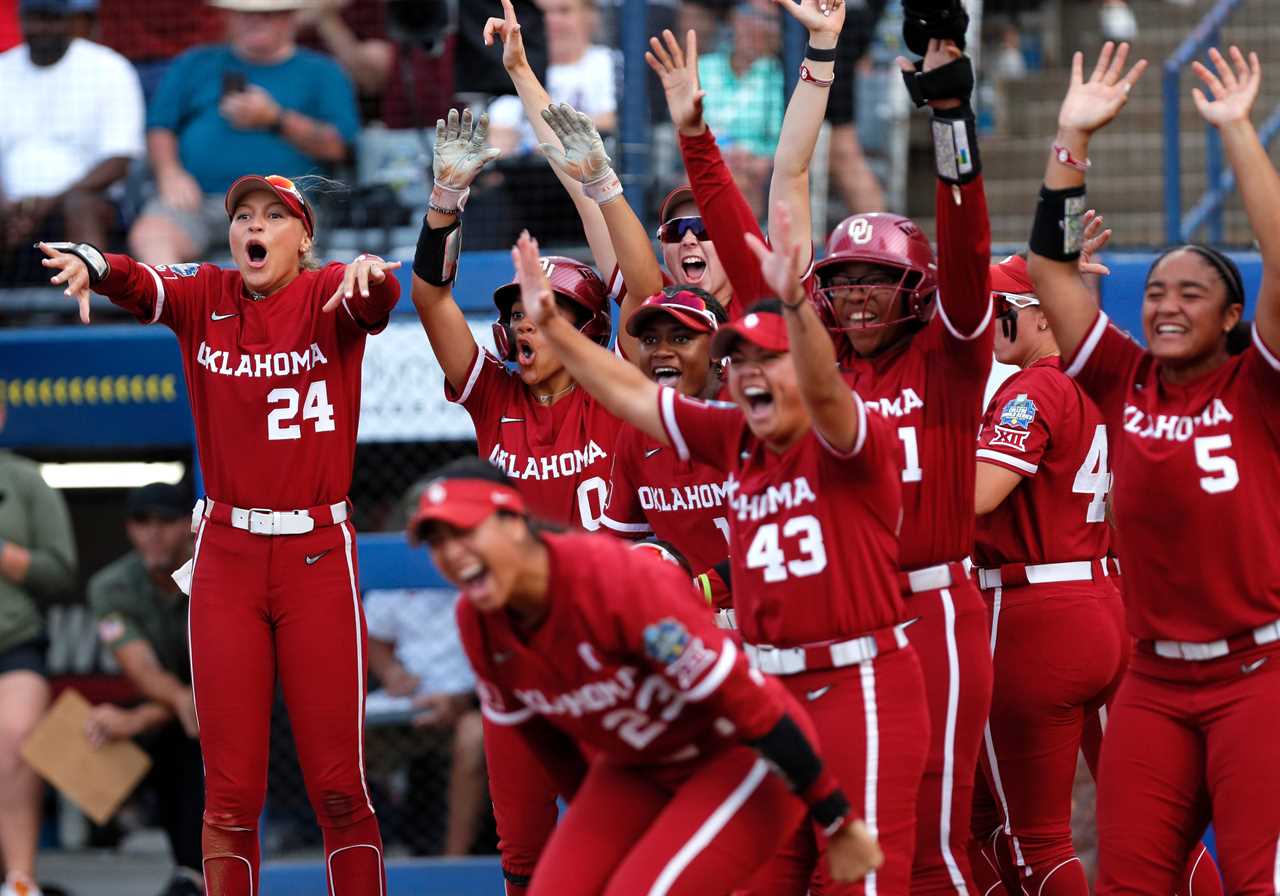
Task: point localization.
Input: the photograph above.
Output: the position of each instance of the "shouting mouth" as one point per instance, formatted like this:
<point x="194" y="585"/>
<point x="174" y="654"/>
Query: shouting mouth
<point x="257" y="254"/>
<point x="666" y="375"/>
<point x="694" y="268"/>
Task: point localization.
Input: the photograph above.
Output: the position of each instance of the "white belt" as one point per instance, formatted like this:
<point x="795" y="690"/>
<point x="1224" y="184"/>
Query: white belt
<point x="1211" y="650"/>
<point x="1040" y="573"/>
<point x="791" y="660"/>
<point x="260" y="521"/>
<point x="930" y="578"/>
<point x="726" y="619"/>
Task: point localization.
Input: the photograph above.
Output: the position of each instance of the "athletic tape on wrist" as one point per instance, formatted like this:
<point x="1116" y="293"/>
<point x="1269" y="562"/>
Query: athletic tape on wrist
<point x="436" y="259"/>
<point x="955" y="145"/>
<point x="1058" y="229"/>
<point x="448" y="199"/>
<point x="604" y="188"/>
<point x="94" y="261"/>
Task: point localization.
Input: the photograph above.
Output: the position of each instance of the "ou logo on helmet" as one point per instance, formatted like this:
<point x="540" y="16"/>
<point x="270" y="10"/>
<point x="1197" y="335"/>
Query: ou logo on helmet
<point x="860" y="231"/>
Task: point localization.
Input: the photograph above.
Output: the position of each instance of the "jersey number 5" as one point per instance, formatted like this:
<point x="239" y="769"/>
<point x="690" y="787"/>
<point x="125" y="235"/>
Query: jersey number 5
<point x="766" y="550"/>
<point x="316" y="408"/>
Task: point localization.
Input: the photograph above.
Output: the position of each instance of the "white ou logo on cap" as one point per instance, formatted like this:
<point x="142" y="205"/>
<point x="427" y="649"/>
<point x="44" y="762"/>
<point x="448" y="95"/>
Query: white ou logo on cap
<point x="860" y="231"/>
<point x="750" y="321"/>
<point x="500" y="497"/>
<point x="437" y="493"/>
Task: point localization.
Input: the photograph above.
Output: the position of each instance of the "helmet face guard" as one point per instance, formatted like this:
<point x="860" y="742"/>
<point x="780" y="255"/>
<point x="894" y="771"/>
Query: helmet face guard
<point x="913" y="307"/>
<point x="574" y="285"/>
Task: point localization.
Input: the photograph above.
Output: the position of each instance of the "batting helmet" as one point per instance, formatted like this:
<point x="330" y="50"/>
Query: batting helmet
<point x="891" y="241"/>
<point x="572" y="282"/>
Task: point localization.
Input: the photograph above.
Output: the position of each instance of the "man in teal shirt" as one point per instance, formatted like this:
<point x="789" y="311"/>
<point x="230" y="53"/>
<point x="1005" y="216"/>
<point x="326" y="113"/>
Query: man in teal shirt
<point x="257" y="104"/>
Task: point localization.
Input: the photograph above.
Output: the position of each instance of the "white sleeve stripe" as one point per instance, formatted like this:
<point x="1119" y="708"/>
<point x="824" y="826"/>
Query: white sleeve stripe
<point x="159" y="292"/>
<point x="857" y="442"/>
<point x="625" y="527"/>
<point x="1263" y="350"/>
<point x="667" y="408"/>
<point x="719" y="672"/>
<point x="481" y="358"/>
<point x="946" y="322"/>
<point x="1090" y="343"/>
<point x="1016" y="462"/>
<point x="506" y="718"/>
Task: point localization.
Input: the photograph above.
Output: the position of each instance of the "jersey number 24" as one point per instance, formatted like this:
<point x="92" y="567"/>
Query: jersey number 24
<point x="284" y="410"/>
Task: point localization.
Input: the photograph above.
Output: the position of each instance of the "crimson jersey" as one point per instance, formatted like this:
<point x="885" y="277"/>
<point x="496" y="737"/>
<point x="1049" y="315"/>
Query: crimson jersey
<point x="813" y="531"/>
<point x="651" y="490"/>
<point x="930" y="387"/>
<point x="1196" y="481"/>
<point x="274" y="383"/>
<point x="558" y="455"/>
<point x="1042" y="426"/>
<point x="627" y="662"/>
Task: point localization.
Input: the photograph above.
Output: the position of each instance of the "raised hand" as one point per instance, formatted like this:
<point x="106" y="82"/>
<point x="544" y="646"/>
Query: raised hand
<point x="535" y="289"/>
<point x="1090" y="105"/>
<point x="1234" y="88"/>
<point x="853" y="852"/>
<point x="1093" y="239"/>
<point x="507" y="30"/>
<point x="72" y="272"/>
<point x="365" y="269"/>
<point x="583" y="157"/>
<point x="817" y="16"/>
<point x="460" y="151"/>
<point x="677" y="69"/>
<point x="783" y="264"/>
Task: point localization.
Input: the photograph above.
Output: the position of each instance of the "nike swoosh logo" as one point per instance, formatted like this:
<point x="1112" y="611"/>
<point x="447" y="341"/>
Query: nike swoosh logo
<point x="502" y="657"/>
<point x="816" y="693"/>
<point x="511" y="420"/>
<point x="216" y="316"/>
<point x="313" y="559"/>
<point x="651" y="452"/>
<point x="1246" y="668"/>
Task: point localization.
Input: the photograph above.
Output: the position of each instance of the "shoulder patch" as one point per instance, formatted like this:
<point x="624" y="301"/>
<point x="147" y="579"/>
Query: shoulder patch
<point x="665" y="641"/>
<point x="178" y="270"/>
<point x="111" y="628"/>
<point x="1018" y="413"/>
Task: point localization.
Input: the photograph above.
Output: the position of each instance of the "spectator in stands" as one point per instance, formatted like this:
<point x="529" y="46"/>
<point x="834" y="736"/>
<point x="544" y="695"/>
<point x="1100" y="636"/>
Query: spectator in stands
<point x="73" y="120"/>
<point x="142" y="619"/>
<point x="850" y="173"/>
<point x="254" y="103"/>
<point x="415" y="652"/>
<point x="579" y="73"/>
<point x="37" y="562"/>
<point x="151" y="39"/>
<point x="743" y="104"/>
<point x="706" y="17"/>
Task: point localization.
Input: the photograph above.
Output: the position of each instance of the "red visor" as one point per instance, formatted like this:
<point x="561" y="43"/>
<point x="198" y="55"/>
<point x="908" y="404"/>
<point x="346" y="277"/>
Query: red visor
<point x="286" y="191"/>
<point x="1011" y="276"/>
<point x="463" y="503"/>
<point x="673" y="200"/>
<point x="686" y="307"/>
<point x="763" y="329"/>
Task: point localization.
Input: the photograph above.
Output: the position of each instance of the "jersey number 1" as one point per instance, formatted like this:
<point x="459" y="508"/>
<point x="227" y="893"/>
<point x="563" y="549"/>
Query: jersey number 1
<point x="316" y="407"/>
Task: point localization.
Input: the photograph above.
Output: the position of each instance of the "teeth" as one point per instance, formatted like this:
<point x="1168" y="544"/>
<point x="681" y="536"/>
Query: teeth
<point x="666" y="371"/>
<point x="755" y="391"/>
<point x="862" y="317"/>
<point x="693" y="259"/>
<point x="471" y="573"/>
<point x="1170" y="328"/>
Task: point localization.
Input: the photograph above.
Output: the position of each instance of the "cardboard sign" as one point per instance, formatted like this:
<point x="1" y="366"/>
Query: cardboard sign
<point x="98" y="781"/>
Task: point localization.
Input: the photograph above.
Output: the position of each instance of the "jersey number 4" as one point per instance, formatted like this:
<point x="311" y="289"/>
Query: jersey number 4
<point x="284" y="403"/>
<point x="766" y="550"/>
<point x="1094" y="478"/>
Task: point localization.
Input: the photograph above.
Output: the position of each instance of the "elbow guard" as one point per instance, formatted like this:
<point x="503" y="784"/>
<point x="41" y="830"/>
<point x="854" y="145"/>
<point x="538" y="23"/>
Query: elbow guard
<point x="787" y="749"/>
<point x="436" y="258"/>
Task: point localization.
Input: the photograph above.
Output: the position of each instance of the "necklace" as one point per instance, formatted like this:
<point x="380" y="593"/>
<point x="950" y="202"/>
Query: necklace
<point x="547" y="399"/>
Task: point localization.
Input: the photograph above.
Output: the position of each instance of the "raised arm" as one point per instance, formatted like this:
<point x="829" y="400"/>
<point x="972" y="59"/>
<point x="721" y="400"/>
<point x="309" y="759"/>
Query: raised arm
<point x="535" y="99"/>
<point x="725" y="211"/>
<point x="619" y="386"/>
<point x="823" y="19"/>
<point x="1234" y="89"/>
<point x="830" y="402"/>
<point x="1056" y="234"/>
<point x="460" y="154"/>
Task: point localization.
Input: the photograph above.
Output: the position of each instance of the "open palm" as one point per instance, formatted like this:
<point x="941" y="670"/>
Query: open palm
<point x="1234" y="87"/>
<point x="817" y="16"/>
<point x="677" y="69"/>
<point x="1090" y="105"/>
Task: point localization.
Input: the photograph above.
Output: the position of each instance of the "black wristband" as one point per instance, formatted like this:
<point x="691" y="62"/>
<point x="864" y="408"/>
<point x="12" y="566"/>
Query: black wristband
<point x="831" y="811"/>
<point x="1058" y="229"/>
<point x="955" y="144"/>
<point x="436" y="259"/>
<point x="813" y="54"/>
<point x="953" y="81"/>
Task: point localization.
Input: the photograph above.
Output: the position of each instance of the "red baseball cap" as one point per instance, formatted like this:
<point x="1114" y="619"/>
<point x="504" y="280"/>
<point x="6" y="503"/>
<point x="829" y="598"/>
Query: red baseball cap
<point x="286" y="191"/>
<point x="677" y="196"/>
<point x="689" y="308"/>
<point x="765" y="329"/>
<point x="1012" y="277"/>
<point x="463" y="503"/>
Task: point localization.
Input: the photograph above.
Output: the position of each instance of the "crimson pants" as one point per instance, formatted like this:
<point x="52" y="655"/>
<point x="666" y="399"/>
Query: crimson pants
<point x="286" y="605"/>
<point x="873" y="729"/>
<point x="693" y="829"/>
<point x="1187" y="742"/>
<point x="950" y="636"/>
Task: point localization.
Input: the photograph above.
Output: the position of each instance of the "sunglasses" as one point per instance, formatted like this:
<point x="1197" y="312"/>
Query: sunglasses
<point x="1012" y="302"/>
<point x="673" y="231"/>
